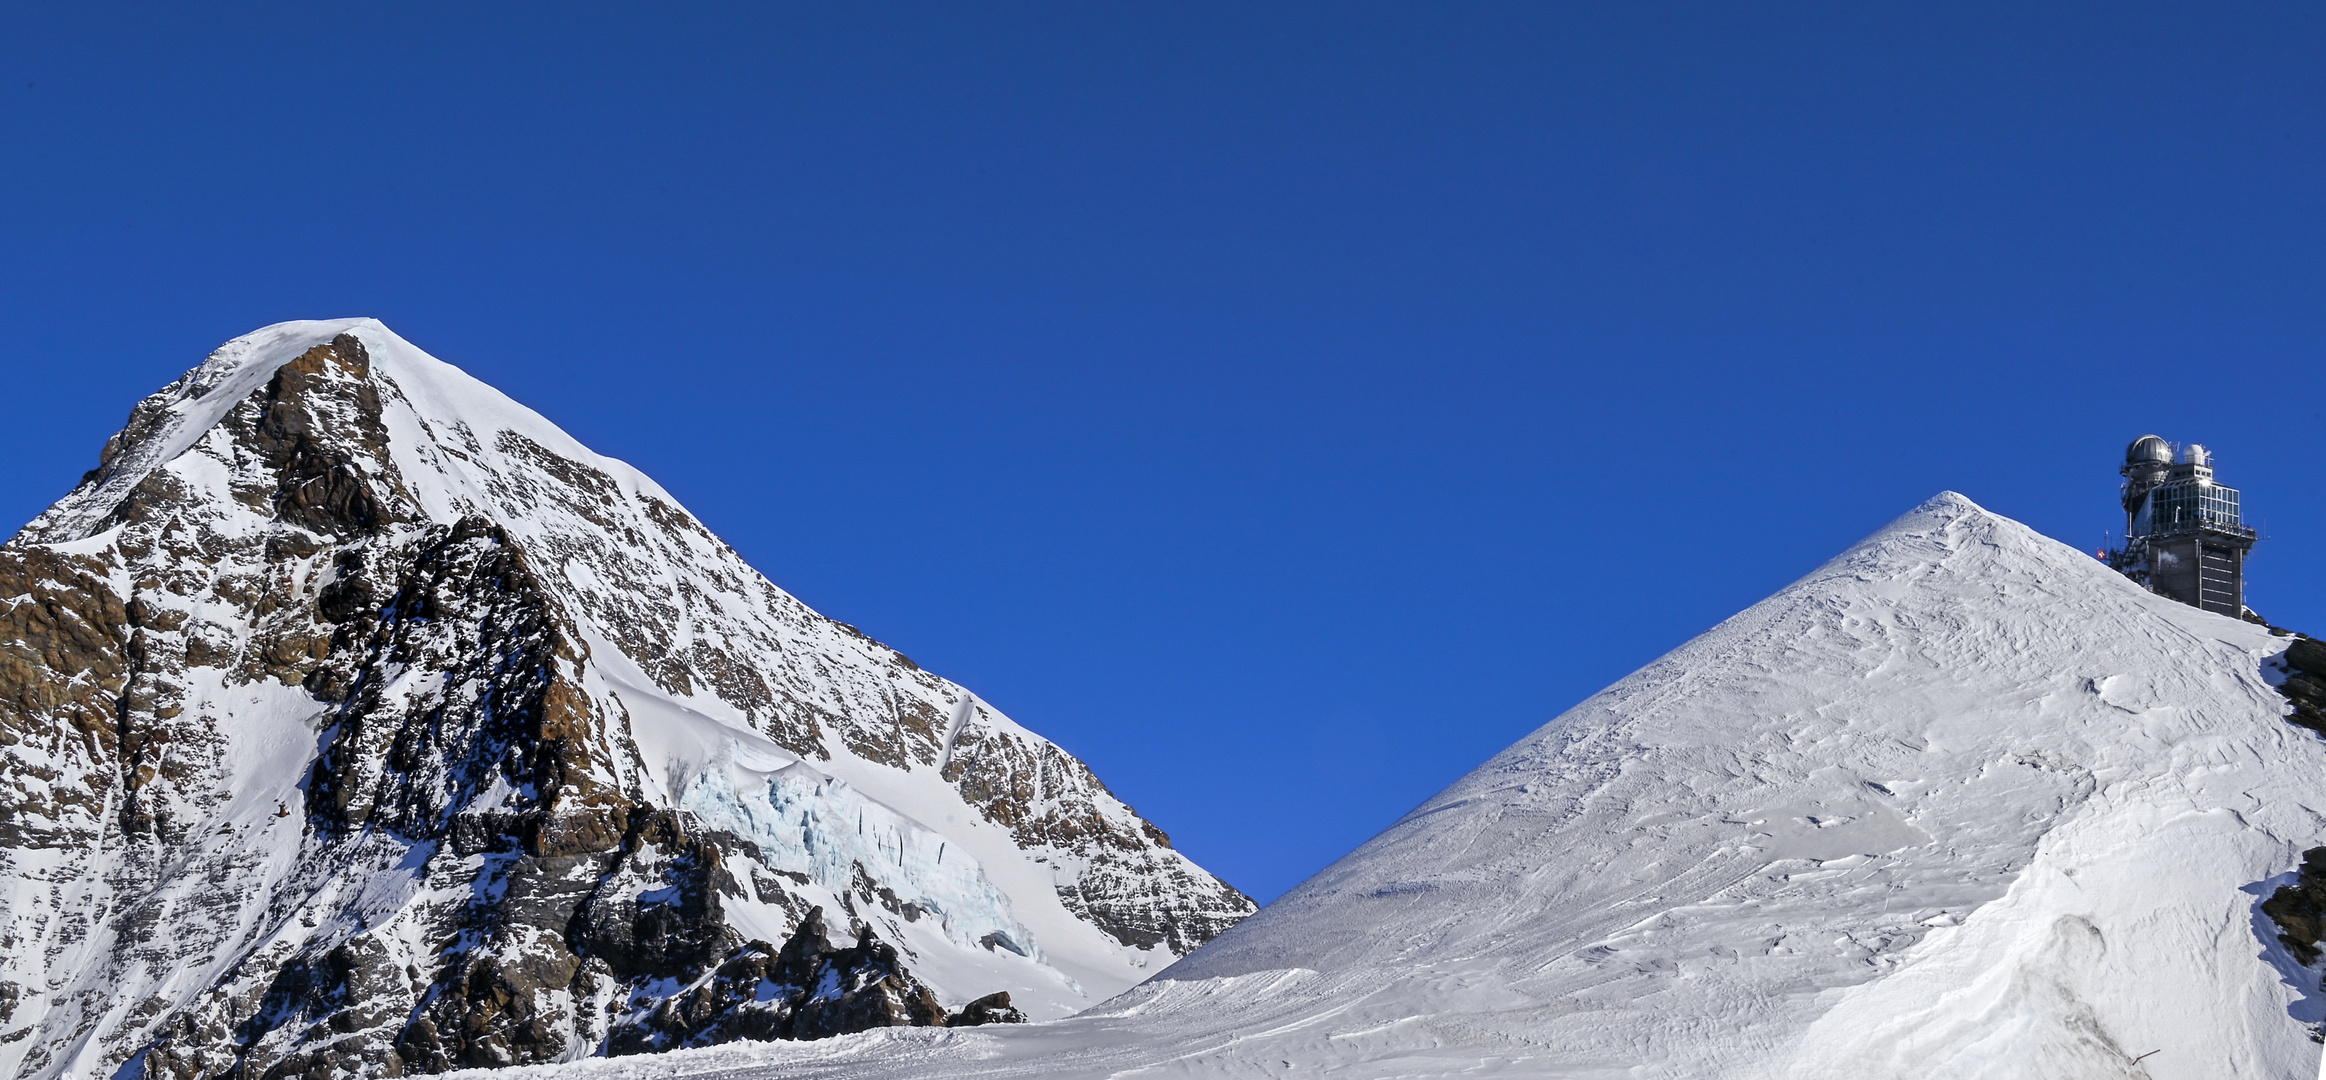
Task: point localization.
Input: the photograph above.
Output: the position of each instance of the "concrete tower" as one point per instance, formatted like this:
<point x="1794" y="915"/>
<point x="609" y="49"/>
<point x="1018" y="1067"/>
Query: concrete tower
<point x="2184" y="534"/>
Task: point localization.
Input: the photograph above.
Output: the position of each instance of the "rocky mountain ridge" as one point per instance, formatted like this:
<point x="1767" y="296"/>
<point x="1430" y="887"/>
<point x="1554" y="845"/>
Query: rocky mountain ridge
<point x="360" y="721"/>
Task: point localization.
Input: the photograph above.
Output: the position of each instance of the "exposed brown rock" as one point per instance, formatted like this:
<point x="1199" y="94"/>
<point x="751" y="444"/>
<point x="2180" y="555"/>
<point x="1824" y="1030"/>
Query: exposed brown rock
<point x="811" y="988"/>
<point x="2308" y="655"/>
<point x="1139" y="899"/>
<point x="64" y="660"/>
<point x="2305" y="683"/>
<point x="2299" y="909"/>
<point x="993" y="1008"/>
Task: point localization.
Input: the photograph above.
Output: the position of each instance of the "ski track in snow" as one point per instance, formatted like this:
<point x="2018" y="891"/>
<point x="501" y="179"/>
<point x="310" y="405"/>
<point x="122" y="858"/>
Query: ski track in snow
<point x="1960" y="803"/>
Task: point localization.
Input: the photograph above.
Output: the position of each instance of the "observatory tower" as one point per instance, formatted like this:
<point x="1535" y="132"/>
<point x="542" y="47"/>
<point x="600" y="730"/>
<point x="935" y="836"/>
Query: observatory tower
<point x="2183" y="534"/>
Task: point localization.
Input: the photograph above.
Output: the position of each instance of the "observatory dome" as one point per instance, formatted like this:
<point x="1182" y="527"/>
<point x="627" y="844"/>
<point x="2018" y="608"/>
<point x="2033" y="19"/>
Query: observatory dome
<point x="2148" y="448"/>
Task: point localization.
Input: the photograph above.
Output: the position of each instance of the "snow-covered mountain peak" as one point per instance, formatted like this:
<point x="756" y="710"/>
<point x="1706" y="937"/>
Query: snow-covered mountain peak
<point x="384" y="703"/>
<point x="438" y="404"/>
<point x="1941" y="526"/>
<point x="1866" y="827"/>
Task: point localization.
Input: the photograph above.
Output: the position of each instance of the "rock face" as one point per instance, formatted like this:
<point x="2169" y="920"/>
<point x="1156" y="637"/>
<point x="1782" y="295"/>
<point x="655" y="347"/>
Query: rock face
<point x="991" y="1009"/>
<point x="808" y="989"/>
<point x="2305" y="683"/>
<point x="2299" y="909"/>
<point x="355" y="720"/>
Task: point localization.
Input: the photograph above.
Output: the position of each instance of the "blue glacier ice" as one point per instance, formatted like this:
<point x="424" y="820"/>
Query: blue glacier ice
<point x="818" y="825"/>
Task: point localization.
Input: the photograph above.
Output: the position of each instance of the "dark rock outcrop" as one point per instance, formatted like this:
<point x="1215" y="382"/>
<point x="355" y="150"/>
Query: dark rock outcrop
<point x="1131" y="890"/>
<point x="990" y="1009"/>
<point x="2299" y="909"/>
<point x="2305" y="683"/>
<point x="811" y="988"/>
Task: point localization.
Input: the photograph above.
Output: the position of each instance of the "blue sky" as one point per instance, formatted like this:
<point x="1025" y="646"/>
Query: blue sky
<point x="1282" y="406"/>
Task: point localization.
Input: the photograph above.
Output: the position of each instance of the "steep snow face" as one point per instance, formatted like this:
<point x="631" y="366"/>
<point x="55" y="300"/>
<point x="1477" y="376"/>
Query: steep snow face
<point x="1961" y="803"/>
<point x="355" y="717"/>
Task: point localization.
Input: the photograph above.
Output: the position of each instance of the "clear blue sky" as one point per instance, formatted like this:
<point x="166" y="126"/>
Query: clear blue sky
<point x="1282" y="406"/>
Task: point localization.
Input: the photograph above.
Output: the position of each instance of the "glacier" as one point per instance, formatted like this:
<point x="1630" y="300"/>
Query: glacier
<point x="806" y="821"/>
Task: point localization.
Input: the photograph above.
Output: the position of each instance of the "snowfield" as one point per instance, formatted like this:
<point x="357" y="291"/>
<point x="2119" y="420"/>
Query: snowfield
<point x="1961" y="803"/>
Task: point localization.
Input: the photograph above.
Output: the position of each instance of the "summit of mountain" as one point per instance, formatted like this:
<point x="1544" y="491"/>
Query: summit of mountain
<point x="354" y="719"/>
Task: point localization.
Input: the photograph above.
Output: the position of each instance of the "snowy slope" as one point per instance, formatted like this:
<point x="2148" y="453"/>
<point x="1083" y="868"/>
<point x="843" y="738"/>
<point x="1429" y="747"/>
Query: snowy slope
<point x="347" y="686"/>
<point x="1961" y="803"/>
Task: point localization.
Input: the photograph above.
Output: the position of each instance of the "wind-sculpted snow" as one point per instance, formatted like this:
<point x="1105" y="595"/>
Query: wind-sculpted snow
<point x="1961" y="803"/>
<point x="356" y="720"/>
